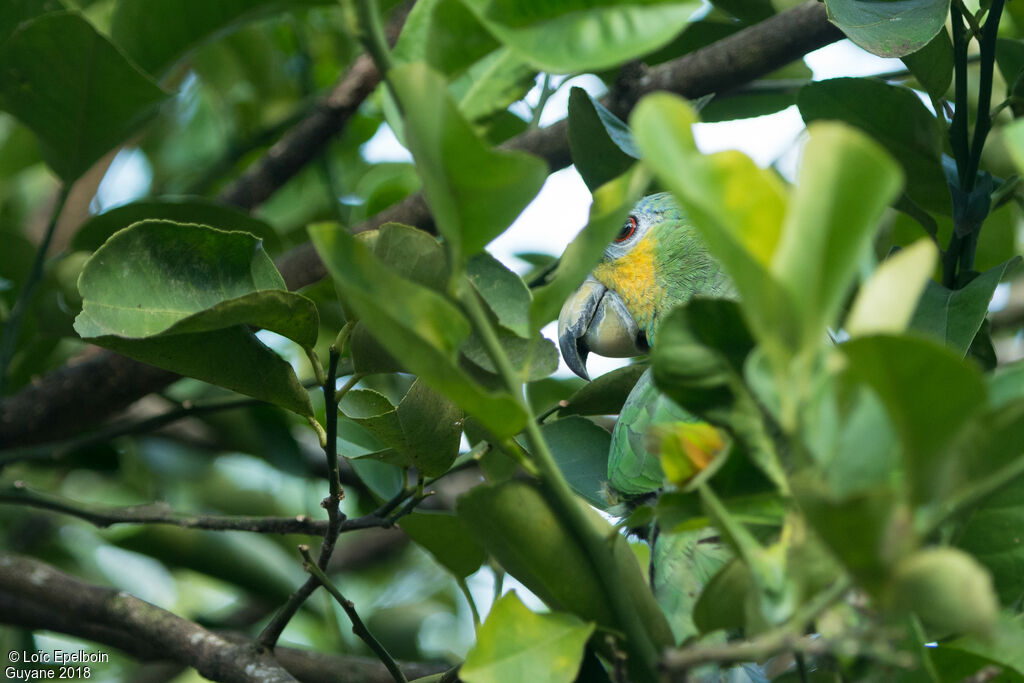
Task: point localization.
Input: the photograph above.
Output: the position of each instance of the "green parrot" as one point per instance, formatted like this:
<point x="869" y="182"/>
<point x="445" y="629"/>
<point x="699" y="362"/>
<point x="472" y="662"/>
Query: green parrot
<point x="657" y="262"/>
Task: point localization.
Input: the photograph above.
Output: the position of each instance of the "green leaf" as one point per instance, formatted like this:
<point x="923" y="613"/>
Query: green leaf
<point x="14" y="12"/>
<point x="1010" y="59"/>
<point x="73" y="88"/>
<point x="932" y="65"/>
<point x="474" y="191"/>
<point x="424" y="428"/>
<point x="612" y="204"/>
<point x="929" y="393"/>
<point x="514" y="644"/>
<point x="97" y="229"/>
<point x="157" y="33"/>
<point x="445" y="35"/>
<point x="445" y="537"/>
<point x="601" y="144"/>
<point x="1006" y="384"/>
<point x="846" y="182"/>
<point x="492" y="84"/>
<point x="416" y="325"/>
<point x="1004" y="647"/>
<point x="721" y="603"/>
<point x="183" y="297"/>
<point x="518" y="527"/>
<point x="889" y="29"/>
<point x="866" y="531"/>
<point x="412" y="253"/>
<point x="684" y="565"/>
<point x="737" y="207"/>
<point x="505" y="293"/>
<point x="991" y="533"/>
<point x="886" y="302"/>
<point x="580" y="448"/>
<point x="896" y="119"/>
<point x="954" y="316"/>
<point x="534" y="358"/>
<point x="573" y="35"/>
<point x="605" y="394"/>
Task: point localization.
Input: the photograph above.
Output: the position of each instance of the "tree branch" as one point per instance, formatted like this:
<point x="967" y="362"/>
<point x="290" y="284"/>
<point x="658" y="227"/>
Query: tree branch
<point x="26" y="580"/>
<point x="53" y="407"/>
<point x="36" y="596"/>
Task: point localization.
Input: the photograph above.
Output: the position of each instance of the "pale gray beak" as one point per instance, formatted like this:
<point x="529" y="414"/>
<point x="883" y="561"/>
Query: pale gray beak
<point x="595" y="319"/>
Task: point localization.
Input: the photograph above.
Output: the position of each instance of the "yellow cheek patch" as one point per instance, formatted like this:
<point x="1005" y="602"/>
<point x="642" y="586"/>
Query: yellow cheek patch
<point x="633" y="278"/>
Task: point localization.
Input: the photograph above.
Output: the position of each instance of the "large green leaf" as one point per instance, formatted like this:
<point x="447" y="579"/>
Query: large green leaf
<point x="889" y="29"/>
<point x="886" y="302"/>
<point x="490" y="85"/>
<point x="893" y="116"/>
<point x="415" y="324"/>
<point x="929" y="393"/>
<point x="74" y="89"/>
<point x="157" y="33"/>
<point x="580" y="448"/>
<point x="612" y="203"/>
<point x="605" y="394"/>
<point x="573" y="35"/>
<point x="954" y="316"/>
<point x="514" y="644"/>
<point x="601" y="144"/>
<point x="14" y="12"/>
<point x="1004" y="647"/>
<point x="932" y="65"/>
<point x="518" y="526"/>
<point x="183" y="297"/>
<point x="504" y="291"/>
<point x="445" y="537"/>
<point x="445" y="35"/>
<point x="423" y="429"/>
<point x="737" y="207"/>
<point x="474" y="191"/>
<point x="846" y="182"/>
<point x="97" y="229"/>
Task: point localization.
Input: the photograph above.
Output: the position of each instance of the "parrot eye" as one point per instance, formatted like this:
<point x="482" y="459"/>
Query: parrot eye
<point x="627" y="230"/>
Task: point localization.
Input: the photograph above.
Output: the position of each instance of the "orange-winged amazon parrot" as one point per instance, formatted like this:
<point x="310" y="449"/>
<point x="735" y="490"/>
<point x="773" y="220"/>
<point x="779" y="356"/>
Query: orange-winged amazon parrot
<point x="657" y="261"/>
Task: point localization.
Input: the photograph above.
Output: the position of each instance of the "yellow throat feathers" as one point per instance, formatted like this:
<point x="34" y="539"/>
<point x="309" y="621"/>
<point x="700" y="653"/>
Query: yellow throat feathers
<point x="633" y="277"/>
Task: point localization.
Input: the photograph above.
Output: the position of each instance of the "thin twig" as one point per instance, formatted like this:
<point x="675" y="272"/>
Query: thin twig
<point x="788" y="637"/>
<point x="12" y="328"/>
<point x="358" y="627"/>
<point x="272" y="631"/>
<point x="160" y="513"/>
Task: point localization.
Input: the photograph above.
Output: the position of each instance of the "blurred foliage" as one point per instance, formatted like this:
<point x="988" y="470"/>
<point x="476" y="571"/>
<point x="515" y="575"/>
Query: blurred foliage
<point x="867" y="490"/>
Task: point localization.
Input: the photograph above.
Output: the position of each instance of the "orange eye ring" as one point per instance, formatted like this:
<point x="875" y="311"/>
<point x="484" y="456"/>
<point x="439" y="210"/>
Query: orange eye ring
<point x="627" y="230"/>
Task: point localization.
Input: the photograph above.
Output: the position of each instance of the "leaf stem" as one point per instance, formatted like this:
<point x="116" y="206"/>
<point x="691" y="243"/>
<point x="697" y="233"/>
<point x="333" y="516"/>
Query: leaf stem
<point x="12" y="328"/>
<point x="371" y="35"/>
<point x="464" y="587"/>
<point x="567" y="506"/>
<point x="358" y="627"/>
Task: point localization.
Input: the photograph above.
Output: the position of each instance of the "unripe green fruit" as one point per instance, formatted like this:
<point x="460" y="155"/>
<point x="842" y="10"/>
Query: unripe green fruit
<point x="948" y="590"/>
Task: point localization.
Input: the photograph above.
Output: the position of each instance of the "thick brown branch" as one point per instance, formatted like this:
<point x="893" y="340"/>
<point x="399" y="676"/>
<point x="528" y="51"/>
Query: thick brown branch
<point x="24" y="580"/>
<point x="55" y="407"/>
<point x="34" y="595"/>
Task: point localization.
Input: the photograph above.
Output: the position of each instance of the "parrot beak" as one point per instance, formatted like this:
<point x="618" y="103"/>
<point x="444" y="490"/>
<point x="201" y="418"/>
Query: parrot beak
<point x="595" y="319"/>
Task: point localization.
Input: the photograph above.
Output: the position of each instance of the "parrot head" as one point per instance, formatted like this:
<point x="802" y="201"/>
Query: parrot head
<point x="657" y="261"/>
